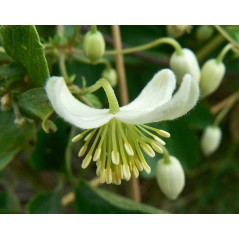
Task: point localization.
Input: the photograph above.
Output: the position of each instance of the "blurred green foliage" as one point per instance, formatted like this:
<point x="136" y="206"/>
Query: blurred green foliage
<point x="38" y="167"/>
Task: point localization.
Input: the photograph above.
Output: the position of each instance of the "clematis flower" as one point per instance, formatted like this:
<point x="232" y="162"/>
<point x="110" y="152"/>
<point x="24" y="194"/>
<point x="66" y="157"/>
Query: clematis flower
<point x="117" y="137"/>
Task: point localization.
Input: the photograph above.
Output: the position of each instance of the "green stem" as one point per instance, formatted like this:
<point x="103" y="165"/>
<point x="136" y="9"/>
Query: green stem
<point x="223" y="52"/>
<point x="93" y="28"/>
<point x="227" y="36"/>
<point x="62" y="65"/>
<point x="227" y="108"/>
<point x="166" y="155"/>
<point x="165" y="40"/>
<point x="113" y="102"/>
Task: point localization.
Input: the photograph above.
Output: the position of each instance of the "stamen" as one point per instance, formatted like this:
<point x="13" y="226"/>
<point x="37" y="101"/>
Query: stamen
<point x="129" y="149"/>
<point x="161" y="132"/>
<point x="127" y="146"/>
<point x="135" y="171"/>
<point x="159" y="140"/>
<point x="126" y="172"/>
<point x="86" y="161"/>
<point x="80" y="136"/>
<point x="157" y="148"/>
<point x="97" y="154"/>
<point x="146" y="167"/>
<point x="115" y="157"/>
<point x="82" y="151"/>
<point x="147" y="149"/>
<point x="108" y="176"/>
<point x="102" y="176"/>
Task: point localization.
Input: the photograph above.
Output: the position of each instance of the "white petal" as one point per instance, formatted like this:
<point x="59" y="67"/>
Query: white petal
<point x="158" y="91"/>
<point x="183" y="101"/>
<point x="71" y="109"/>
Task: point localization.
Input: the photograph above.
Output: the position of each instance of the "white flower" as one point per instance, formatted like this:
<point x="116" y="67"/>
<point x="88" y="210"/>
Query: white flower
<point x="170" y="177"/>
<point x="120" y="132"/>
<point x="211" y="140"/>
<point x="184" y="63"/>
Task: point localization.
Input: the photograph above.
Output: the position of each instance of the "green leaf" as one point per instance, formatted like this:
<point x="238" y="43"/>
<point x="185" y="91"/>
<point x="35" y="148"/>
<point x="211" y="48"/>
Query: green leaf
<point x="183" y="143"/>
<point x="9" y="202"/>
<point x="13" y="138"/>
<point x="7" y="157"/>
<point x="46" y="204"/>
<point x="34" y="103"/>
<point x="95" y="200"/>
<point x="12" y="70"/>
<point x="50" y="150"/>
<point x="23" y="44"/>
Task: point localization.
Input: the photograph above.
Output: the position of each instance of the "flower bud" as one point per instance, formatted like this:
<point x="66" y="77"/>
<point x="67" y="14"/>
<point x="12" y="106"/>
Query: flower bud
<point x="203" y="33"/>
<point x="210" y="140"/>
<point x="177" y="30"/>
<point x="170" y="177"/>
<point x="110" y="75"/>
<point x="94" y="45"/>
<point x="212" y="74"/>
<point x="184" y="63"/>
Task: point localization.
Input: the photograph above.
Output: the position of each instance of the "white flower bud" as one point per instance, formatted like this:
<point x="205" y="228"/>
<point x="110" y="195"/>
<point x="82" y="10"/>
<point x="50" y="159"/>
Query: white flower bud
<point x="211" y="76"/>
<point x="210" y="140"/>
<point x="184" y="63"/>
<point x="170" y="177"/>
<point x="94" y="45"/>
<point x="110" y="75"/>
<point x="177" y="30"/>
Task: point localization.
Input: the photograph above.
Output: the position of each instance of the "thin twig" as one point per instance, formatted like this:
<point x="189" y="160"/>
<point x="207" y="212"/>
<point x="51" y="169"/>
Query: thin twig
<point x="124" y="98"/>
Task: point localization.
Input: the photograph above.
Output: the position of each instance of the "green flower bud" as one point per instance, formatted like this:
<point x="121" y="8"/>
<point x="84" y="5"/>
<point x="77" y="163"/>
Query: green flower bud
<point x="210" y="140"/>
<point x="94" y="45"/>
<point x="110" y="74"/>
<point x="177" y="30"/>
<point x="184" y="63"/>
<point x="170" y="177"/>
<point x="203" y="33"/>
<point x="212" y="74"/>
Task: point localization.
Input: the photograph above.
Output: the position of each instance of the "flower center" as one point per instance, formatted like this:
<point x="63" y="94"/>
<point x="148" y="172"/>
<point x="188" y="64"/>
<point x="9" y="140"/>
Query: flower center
<point x="117" y="149"/>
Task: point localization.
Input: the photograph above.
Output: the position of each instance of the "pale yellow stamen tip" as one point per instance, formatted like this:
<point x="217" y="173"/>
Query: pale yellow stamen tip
<point x="86" y="161"/>
<point x="129" y="149"/>
<point x="97" y="154"/>
<point x="135" y="171"/>
<point x="159" y="140"/>
<point x="77" y="138"/>
<point x="147" y="149"/>
<point x="115" y="157"/>
<point x="108" y="176"/>
<point x="138" y="164"/>
<point x="102" y="176"/>
<point x="88" y="136"/>
<point x="126" y="172"/>
<point x="82" y="151"/>
<point x="163" y="133"/>
<point x="157" y="148"/>
<point x="146" y="167"/>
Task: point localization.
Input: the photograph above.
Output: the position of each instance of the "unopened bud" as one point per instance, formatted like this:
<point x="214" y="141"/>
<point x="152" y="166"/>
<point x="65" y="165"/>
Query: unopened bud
<point x="170" y="177"/>
<point x="184" y="63"/>
<point x="110" y="75"/>
<point x="203" y="33"/>
<point x="178" y="30"/>
<point x="94" y="45"/>
<point x="210" y="140"/>
<point x="212" y="74"/>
